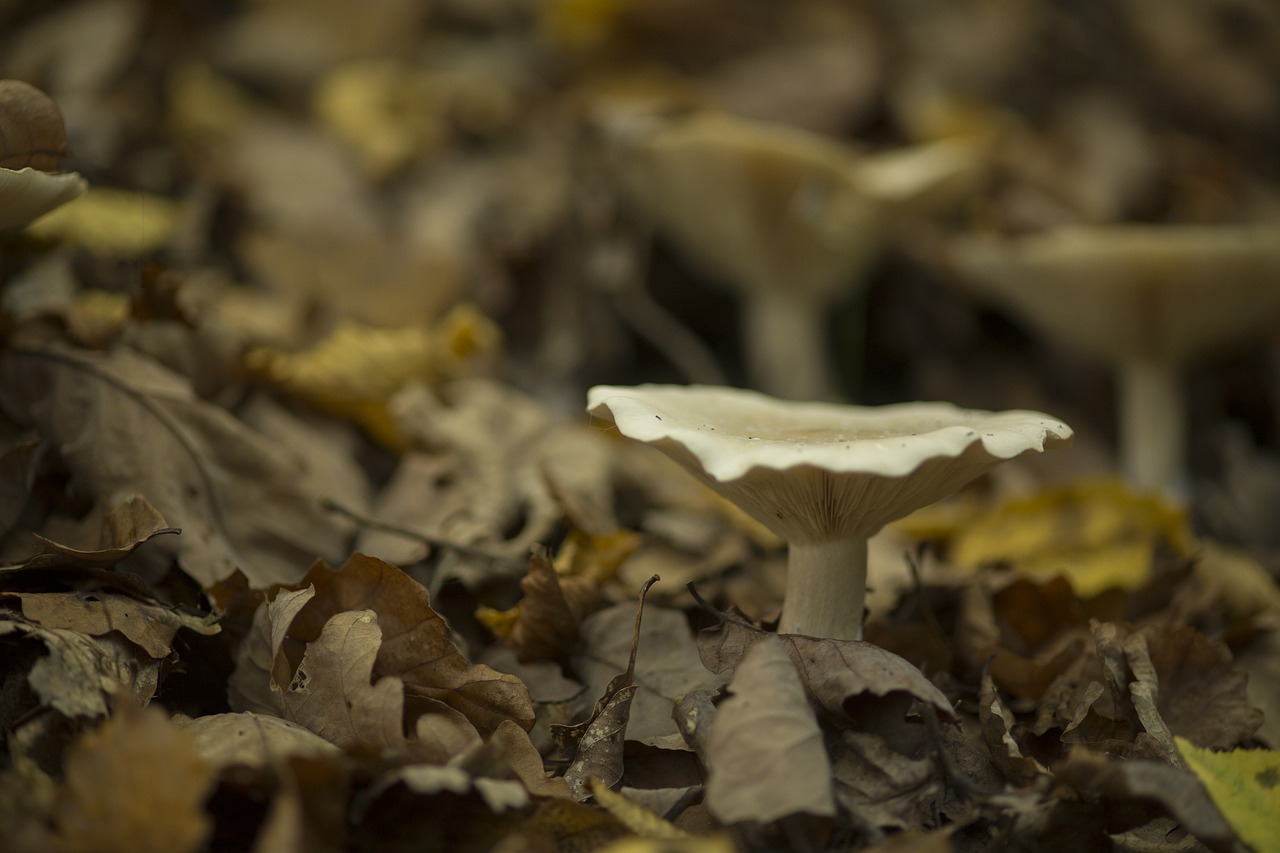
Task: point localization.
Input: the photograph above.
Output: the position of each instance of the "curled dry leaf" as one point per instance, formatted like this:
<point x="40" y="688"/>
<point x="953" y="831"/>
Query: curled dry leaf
<point x="113" y="530"/>
<point x="597" y="742"/>
<point x="834" y="672"/>
<point x="1144" y="691"/>
<point x="75" y="676"/>
<point x="123" y="422"/>
<point x="766" y="753"/>
<point x="415" y="644"/>
<point x="667" y="665"/>
<point x="543" y="626"/>
<point x="1175" y="792"/>
<point x="147" y="625"/>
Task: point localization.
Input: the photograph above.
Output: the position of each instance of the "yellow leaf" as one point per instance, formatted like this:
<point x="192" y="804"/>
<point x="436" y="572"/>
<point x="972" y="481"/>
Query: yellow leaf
<point x="115" y="223"/>
<point x="595" y="557"/>
<point x="353" y="372"/>
<point x="500" y="622"/>
<point x="96" y="317"/>
<point x="1097" y="533"/>
<point x="1245" y="786"/>
<point x="718" y="843"/>
<point x="635" y="817"/>
<point x="387" y="111"/>
<point x="580" y="25"/>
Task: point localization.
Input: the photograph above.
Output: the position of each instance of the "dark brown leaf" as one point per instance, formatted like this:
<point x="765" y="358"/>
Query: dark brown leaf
<point x="415" y="645"/>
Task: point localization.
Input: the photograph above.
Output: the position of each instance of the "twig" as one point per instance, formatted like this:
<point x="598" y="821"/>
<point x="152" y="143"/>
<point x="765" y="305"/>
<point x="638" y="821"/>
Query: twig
<point x="331" y="505"/>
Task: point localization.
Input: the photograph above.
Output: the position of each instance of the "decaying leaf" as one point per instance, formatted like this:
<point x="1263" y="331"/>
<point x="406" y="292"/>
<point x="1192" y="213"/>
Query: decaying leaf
<point x="148" y="625"/>
<point x="834" y="673"/>
<point x="1245" y="786"/>
<point x="597" y="741"/>
<point x="136" y="783"/>
<point x="508" y="451"/>
<point x="415" y="645"/>
<point x="72" y="674"/>
<point x="1175" y="792"/>
<point x="122" y="422"/>
<point x="666" y="667"/>
<point x="997" y="723"/>
<point x="766" y="753"/>
<point x="543" y="626"/>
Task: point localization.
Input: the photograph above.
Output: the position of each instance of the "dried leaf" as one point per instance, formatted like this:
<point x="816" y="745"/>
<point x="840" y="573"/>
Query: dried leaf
<point x="77" y="674"/>
<point x="542" y="626"/>
<point x="1245" y="786"/>
<point x="332" y="692"/>
<point x="597" y="741"/>
<point x="1199" y="695"/>
<point x="635" y="817"/>
<point x="766" y="754"/>
<point x="253" y="740"/>
<point x="1099" y="534"/>
<point x="667" y="666"/>
<point x="113" y="530"/>
<point x="415" y="645"/>
<point x="356" y="370"/>
<point x="149" y="626"/>
<point x="1176" y="792"/>
<point x="997" y="723"/>
<point x="834" y="673"/>
<point x="125" y="423"/>
<point x="254" y="685"/>
<point x="135" y="783"/>
<point x="883" y="786"/>
<point x="112" y="222"/>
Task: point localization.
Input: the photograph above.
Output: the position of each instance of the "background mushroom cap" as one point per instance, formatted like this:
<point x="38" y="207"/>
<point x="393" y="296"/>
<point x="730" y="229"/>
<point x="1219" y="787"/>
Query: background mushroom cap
<point x="1120" y="292"/>
<point x="761" y="205"/>
<point x="814" y="471"/>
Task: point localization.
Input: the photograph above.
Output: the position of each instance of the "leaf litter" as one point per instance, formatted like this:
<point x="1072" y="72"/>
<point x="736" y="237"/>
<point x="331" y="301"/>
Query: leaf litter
<point x="306" y="544"/>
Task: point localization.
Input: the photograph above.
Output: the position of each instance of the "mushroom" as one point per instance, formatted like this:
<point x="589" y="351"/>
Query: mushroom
<point x="823" y="476"/>
<point x="32" y="139"/>
<point x="788" y="218"/>
<point x="1144" y="298"/>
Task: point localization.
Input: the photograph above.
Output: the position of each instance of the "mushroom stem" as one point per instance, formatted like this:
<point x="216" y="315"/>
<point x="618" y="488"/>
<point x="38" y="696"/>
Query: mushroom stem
<point x="785" y="338"/>
<point x="826" y="589"/>
<point x="1152" y="427"/>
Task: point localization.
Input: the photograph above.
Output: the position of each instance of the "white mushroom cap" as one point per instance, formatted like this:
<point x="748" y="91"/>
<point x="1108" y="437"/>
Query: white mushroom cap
<point x="27" y="194"/>
<point x="1160" y="293"/>
<point x="817" y="471"/>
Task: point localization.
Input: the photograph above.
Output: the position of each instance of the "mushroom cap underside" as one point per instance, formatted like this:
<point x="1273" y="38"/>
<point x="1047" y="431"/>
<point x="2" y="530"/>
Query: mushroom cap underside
<point x="1118" y="293"/>
<point x="813" y="471"/>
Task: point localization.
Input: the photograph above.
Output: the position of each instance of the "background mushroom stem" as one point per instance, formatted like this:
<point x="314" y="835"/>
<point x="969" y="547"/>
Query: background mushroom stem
<point x="784" y="338"/>
<point x="826" y="589"/>
<point x="1152" y="427"/>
